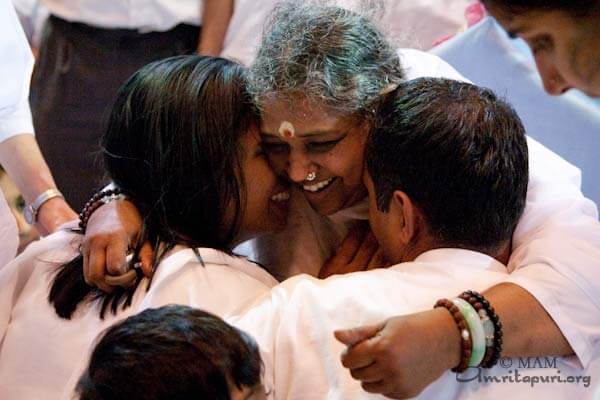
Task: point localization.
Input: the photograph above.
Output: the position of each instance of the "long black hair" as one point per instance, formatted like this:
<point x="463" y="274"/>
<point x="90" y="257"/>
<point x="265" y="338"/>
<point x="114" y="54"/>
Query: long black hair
<point x="172" y="146"/>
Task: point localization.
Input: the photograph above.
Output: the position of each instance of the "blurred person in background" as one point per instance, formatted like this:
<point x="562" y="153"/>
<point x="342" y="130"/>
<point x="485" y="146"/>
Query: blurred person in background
<point x="564" y="37"/>
<point x="87" y="50"/>
<point x="19" y="152"/>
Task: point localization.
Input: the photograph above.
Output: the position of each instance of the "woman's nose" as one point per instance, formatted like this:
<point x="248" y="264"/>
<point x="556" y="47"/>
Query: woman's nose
<point x="553" y="81"/>
<point x="298" y="166"/>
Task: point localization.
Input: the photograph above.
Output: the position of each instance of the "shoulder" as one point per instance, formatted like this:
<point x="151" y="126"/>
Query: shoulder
<point x="59" y="247"/>
<point x="214" y="281"/>
<point x="419" y="64"/>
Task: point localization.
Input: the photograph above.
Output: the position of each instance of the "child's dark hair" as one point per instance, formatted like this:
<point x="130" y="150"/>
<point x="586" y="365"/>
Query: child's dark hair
<point x="172" y="352"/>
<point x="172" y="146"/>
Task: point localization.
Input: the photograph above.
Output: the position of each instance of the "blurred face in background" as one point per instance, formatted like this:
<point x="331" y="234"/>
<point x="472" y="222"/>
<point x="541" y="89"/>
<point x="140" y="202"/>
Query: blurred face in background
<point x="566" y="48"/>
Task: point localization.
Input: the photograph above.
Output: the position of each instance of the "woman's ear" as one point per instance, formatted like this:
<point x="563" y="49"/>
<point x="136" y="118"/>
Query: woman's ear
<point x="404" y="207"/>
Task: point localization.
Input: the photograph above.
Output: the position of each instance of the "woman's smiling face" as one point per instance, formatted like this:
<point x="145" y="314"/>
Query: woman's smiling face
<point x="301" y="138"/>
<point x="266" y="204"/>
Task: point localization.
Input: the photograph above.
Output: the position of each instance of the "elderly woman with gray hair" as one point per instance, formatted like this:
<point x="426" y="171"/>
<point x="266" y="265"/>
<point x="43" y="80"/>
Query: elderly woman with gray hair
<point x="318" y="78"/>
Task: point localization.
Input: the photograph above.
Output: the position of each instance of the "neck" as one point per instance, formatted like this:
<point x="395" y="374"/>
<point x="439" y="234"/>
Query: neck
<point x="501" y="254"/>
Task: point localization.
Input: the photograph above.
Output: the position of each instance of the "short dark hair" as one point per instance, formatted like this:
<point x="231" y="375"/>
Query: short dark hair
<point x="459" y="153"/>
<point x="576" y="8"/>
<point x="172" y="144"/>
<point x="172" y="352"/>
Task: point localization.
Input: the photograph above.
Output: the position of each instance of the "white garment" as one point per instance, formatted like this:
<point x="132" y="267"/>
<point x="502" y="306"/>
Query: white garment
<point x="40" y="352"/>
<point x="143" y="15"/>
<point x="556" y="246"/>
<point x="9" y="233"/>
<point x="15" y="73"/>
<point x="294" y="328"/>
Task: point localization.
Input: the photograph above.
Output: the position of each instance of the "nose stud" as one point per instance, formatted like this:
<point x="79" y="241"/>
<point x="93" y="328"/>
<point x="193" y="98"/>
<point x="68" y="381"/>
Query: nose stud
<point x="311" y="176"/>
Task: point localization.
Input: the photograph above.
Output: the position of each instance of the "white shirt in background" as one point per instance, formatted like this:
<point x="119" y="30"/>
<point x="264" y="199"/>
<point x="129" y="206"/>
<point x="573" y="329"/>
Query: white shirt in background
<point x="414" y="23"/>
<point x="294" y="327"/>
<point x="143" y="15"/>
<point x="15" y="115"/>
<point x="15" y="73"/>
<point x="40" y="352"/>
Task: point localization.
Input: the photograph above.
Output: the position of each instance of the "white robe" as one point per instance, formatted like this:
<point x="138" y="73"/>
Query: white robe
<point x="41" y="354"/>
<point x="15" y="116"/>
<point x="294" y="327"/>
<point x="9" y="233"/>
<point x="556" y="246"/>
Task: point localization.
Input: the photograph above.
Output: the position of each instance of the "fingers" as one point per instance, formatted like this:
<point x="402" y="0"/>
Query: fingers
<point x="378" y="260"/>
<point x="344" y="260"/>
<point x="116" y="256"/>
<point x="94" y="268"/>
<point x="125" y="280"/>
<point x="369" y="374"/>
<point x="366" y="251"/>
<point x="145" y="256"/>
<point x="374" y="387"/>
<point x="351" y="337"/>
<point x="351" y="244"/>
<point x="353" y="254"/>
<point x="358" y="356"/>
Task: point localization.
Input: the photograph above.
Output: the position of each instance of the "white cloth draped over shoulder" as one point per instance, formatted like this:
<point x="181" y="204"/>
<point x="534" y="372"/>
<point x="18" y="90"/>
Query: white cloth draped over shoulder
<point x="41" y="354"/>
<point x="294" y="327"/>
<point x="556" y="246"/>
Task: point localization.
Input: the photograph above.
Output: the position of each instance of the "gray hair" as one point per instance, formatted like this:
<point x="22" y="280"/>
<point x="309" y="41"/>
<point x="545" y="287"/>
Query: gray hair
<point x="330" y="55"/>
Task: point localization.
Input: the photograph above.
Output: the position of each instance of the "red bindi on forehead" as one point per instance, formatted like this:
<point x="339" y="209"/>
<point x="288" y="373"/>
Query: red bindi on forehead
<point x="286" y="130"/>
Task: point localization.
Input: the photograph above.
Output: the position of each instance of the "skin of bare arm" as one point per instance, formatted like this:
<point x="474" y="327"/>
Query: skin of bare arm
<point x="22" y="159"/>
<point x="215" y="22"/>
<point x="397" y="359"/>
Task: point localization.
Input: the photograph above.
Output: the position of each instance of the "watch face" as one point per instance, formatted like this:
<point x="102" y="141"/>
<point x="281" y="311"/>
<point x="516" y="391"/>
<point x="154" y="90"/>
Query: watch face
<point x="28" y="214"/>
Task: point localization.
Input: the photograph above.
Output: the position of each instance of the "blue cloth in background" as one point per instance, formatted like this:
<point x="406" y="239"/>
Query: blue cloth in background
<point x="569" y="125"/>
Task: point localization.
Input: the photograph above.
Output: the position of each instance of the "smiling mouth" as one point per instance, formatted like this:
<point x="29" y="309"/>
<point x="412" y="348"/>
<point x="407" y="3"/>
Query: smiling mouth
<point x="317" y="187"/>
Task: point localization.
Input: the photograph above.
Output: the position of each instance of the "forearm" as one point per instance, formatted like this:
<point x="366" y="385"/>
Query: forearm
<point x="528" y="329"/>
<point x="22" y="159"/>
<point x="215" y="22"/>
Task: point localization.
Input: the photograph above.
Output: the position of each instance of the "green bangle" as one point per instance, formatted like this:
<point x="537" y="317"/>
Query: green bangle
<point x="476" y="330"/>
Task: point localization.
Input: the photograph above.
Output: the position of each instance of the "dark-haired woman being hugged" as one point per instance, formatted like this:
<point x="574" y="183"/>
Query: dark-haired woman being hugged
<point x="182" y="142"/>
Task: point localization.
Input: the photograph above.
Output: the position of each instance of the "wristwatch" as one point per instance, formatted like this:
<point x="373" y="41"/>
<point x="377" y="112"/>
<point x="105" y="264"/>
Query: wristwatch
<point x="31" y="211"/>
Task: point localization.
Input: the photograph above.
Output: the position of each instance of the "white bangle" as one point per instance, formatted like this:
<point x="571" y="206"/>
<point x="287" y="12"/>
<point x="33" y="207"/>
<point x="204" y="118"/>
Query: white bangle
<point x="475" y="328"/>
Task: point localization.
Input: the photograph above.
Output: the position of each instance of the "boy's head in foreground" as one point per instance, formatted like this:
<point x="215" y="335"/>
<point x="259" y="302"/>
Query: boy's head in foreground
<point x="173" y="352"/>
<point x="447" y="167"/>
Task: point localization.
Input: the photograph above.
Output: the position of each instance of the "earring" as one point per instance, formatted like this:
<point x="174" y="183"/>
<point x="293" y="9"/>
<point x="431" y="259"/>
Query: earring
<point x="311" y="176"/>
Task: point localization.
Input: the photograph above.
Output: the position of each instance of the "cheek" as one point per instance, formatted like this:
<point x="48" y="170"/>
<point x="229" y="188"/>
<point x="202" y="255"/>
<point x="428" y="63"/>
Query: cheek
<point x="278" y="163"/>
<point x="348" y="164"/>
<point x="259" y="178"/>
<point x="346" y="161"/>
